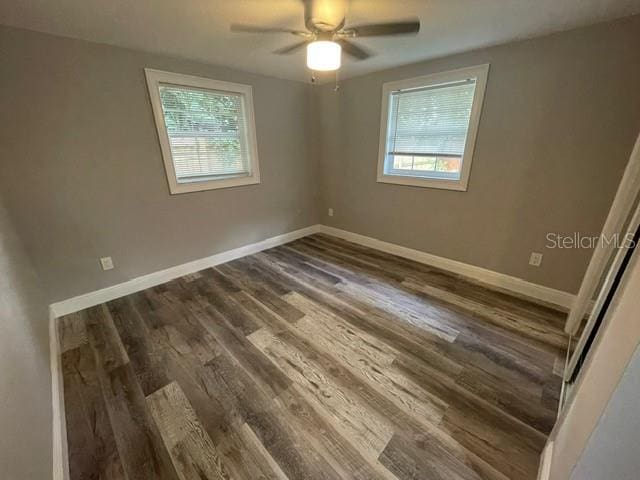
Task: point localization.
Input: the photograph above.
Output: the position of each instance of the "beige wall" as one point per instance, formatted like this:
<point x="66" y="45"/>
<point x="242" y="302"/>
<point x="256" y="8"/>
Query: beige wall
<point x="82" y="173"/>
<point x="25" y="381"/>
<point x="559" y="120"/>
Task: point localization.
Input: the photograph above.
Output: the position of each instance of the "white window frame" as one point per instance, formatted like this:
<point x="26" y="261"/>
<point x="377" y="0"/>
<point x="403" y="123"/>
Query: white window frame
<point x="480" y="73"/>
<point x="157" y="77"/>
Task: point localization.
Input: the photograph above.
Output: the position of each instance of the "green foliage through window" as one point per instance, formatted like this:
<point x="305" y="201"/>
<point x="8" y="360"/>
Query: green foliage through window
<point x="206" y="132"/>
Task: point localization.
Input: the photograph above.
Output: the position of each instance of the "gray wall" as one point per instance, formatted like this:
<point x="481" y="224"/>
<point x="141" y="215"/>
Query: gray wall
<point x="25" y="381"/>
<point x="612" y="451"/>
<point x="82" y="172"/>
<point x="559" y="120"/>
<point x="82" y="177"/>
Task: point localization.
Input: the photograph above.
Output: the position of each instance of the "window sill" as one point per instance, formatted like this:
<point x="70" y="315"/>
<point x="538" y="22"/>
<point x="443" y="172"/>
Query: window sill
<point x="440" y="183"/>
<point x="177" y="188"/>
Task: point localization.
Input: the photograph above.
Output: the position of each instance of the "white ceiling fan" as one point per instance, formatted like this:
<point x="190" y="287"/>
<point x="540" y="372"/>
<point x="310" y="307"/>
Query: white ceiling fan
<point x="326" y="36"/>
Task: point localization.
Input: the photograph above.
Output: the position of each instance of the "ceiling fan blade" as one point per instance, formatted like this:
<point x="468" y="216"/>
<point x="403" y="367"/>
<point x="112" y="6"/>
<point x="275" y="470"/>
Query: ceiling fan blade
<point x="382" y="29"/>
<point x="240" y="27"/>
<point x="353" y="49"/>
<point x="290" y="49"/>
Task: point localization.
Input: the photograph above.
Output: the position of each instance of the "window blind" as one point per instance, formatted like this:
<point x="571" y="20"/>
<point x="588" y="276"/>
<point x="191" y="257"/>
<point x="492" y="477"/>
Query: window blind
<point x="207" y="132"/>
<point x="431" y="121"/>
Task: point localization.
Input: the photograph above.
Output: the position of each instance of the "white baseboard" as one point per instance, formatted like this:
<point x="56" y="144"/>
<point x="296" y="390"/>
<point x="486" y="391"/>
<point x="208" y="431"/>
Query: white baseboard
<point x="97" y="297"/>
<point x="489" y="277"/>
<point x="59" y="430"/>
<point x="544" y="469"/>
<point x="483" y="275"/>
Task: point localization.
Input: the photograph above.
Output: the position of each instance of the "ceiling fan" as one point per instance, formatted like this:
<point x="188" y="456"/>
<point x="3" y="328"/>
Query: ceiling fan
<point x="326" y="35"/>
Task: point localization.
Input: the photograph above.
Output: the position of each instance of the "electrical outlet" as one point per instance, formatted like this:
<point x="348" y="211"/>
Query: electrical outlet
<point x="107" y="263"/>
<point x="330" y="212"/>
<point x="535" y="259"/>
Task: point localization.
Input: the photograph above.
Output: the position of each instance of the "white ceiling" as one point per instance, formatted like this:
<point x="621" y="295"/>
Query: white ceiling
<point x="199" y="29"/>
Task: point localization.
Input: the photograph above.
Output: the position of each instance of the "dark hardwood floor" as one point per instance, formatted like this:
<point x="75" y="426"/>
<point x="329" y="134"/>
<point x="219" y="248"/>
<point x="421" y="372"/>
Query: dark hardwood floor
<point x="319" y="359"/>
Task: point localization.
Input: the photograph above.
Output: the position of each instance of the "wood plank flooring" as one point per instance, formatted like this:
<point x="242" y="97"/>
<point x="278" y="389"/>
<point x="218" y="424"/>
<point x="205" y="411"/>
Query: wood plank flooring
<point x="319" y="359"/>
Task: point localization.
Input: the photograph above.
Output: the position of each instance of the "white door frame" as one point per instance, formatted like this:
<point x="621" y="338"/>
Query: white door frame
<point x="617" y="340"/>
<point x="618" y="214"/>
<point x="608" y="283"/>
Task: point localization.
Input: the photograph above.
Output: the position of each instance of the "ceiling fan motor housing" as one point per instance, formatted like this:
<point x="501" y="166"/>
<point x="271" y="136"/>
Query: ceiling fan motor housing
<point x="325" y="15"/>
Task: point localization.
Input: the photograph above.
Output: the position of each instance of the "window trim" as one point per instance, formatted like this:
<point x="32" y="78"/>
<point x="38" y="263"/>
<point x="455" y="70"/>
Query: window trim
<point x="480" y="72"/>
<point x="154" y="79"/>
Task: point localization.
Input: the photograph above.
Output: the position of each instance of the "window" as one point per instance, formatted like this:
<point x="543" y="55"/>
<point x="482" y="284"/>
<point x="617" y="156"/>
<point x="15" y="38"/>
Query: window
<point x="206" y="130"/>
<point x="428" y="128"/>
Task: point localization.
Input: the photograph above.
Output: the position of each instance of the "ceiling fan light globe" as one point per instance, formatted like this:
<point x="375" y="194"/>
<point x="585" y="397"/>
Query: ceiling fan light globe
<point x="324" y="56"/>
